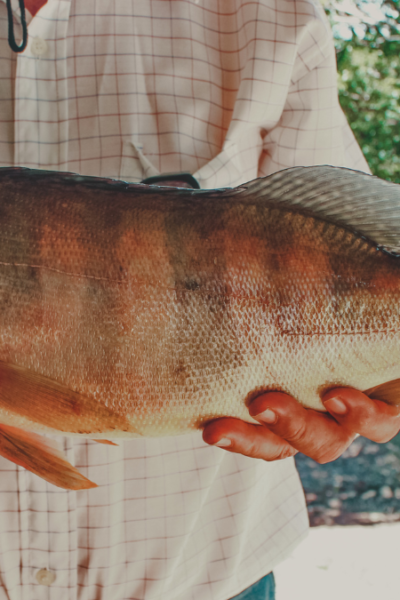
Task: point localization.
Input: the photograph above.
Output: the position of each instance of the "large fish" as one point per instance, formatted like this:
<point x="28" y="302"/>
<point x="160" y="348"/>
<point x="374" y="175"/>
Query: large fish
<point x="129" y="310"/>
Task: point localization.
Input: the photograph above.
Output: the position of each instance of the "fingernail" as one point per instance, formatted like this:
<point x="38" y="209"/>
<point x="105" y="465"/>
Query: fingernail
<point x="336" y="406"/>
<point x="268" y="416"/>
<point x="223" y="442"/>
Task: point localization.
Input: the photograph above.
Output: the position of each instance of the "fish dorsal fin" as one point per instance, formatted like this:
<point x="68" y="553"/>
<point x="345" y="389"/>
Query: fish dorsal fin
<point x="366" y="204"/>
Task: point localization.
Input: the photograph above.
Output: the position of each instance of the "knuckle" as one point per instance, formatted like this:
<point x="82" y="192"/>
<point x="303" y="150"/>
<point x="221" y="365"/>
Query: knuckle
<point x="286" y="452"/>
<point x="265" y="449"/>
<point x="329" y="457"/>
<point x="364" y="421"/>
<point x="382" y="438"/>
<point x="253" y="449"/>
<point x="297" y="431"/>
<point x="334" y="451"/>
<point x="378" y="430"/>
<point x="251" y="446"/>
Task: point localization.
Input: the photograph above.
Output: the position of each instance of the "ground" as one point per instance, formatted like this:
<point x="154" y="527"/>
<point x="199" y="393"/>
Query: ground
<point x="360" y="488"/>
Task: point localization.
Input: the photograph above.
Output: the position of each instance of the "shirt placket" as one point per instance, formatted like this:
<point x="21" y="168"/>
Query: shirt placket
<point x="41" y="100"/>
<point x="47" y="523"/>
<point x="48" y="537"/>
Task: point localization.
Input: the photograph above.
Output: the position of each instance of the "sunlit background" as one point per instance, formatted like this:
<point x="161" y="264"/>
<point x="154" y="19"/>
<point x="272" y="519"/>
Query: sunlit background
<point x="367" y="40"/>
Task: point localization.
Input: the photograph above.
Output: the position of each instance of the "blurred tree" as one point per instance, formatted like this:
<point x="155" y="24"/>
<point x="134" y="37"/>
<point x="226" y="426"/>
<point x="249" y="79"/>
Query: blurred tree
<point x="367" y="40"/>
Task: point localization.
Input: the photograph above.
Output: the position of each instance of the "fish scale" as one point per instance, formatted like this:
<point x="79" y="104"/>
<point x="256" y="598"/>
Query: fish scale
<point x="130" y="310"/>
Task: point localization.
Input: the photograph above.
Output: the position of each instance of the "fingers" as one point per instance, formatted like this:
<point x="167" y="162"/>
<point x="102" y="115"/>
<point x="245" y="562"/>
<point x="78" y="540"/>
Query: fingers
<point x="251" y="440"/>
<point x="370" y="418"/>
<point x="316" y="434"/>
<point x="286" y="427"/>
<point x="291" y="429"/>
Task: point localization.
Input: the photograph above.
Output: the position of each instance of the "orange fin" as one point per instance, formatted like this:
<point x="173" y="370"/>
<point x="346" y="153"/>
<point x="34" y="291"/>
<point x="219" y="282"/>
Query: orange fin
<point x="105" y="442"/>
<point x="388" y="392"/>
<point x="41" y="456"/>
<point x="48" y="402"/>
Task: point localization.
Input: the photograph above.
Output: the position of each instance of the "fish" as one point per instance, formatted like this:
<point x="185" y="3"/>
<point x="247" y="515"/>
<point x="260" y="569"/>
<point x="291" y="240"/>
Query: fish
<point x="130" y="310"/>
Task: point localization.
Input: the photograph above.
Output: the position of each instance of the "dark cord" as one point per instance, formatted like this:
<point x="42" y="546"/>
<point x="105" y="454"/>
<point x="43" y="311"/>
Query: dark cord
<point x="11" y="38"/>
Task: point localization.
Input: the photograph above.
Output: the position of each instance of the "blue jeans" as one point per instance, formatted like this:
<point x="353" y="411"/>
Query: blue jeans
<point x="263" y="589"/>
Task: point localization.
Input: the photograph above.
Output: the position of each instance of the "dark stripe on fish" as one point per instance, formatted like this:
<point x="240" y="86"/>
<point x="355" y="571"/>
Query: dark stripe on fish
<point x="195" y="236"/>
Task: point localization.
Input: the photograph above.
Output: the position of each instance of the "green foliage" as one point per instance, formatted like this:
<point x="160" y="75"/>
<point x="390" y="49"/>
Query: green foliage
<point x="368" y="57"/>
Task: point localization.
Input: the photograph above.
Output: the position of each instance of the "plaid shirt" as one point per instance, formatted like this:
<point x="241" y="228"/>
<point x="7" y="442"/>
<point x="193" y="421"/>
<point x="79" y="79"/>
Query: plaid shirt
<point x="228" y="90"/>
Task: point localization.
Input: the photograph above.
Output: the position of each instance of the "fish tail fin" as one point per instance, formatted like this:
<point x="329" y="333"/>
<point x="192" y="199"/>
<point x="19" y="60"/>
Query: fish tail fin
<point x="388" y="392"/>
<point x="41" y="456"/>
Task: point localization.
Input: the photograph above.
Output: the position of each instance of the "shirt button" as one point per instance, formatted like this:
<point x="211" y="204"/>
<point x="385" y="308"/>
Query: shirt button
<point x="45" y="577"/>
<point x="38" y="46"/>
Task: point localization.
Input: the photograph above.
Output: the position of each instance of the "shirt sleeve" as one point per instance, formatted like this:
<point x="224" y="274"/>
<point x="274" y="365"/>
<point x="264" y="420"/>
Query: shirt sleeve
<point x="312" y="128"/>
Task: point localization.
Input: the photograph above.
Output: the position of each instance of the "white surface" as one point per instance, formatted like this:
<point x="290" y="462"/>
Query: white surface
<point x="349" y="563"/>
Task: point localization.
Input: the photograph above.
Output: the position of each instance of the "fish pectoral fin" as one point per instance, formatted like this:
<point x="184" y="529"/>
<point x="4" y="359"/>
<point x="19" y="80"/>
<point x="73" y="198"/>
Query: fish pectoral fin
<point x="105" y="442"/>
<point x="388" y="392"/>
<point x="41" y="456"/>
<point x="31" y="395"/>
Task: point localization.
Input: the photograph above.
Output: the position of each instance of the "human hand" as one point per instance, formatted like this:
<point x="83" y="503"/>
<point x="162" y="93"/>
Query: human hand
<point x="293" y="428"/>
